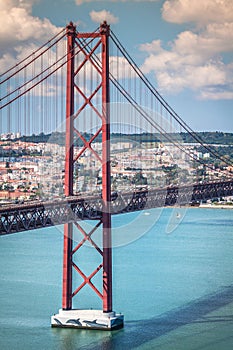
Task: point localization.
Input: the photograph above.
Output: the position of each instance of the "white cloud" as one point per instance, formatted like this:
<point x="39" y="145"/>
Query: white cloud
<point x="176" y="70"/>
<point x="80" y="2"/>
<point x="9" y="4"/>
<point x="154" y="46"/>
<point x="205" y="11"/>
<point x="118" y="68"/>
<point x="195" y="59"/>
<point x="195" y="77"/>
<point x="214" y="94"/>
<point x="104" y="15"/>
<point x="19" y="29"/>
<point x="216" y="38"/>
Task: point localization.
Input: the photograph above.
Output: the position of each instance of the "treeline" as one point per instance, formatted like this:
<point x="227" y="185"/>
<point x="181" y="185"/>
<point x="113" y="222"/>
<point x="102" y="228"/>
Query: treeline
<point x="218" y="138"/>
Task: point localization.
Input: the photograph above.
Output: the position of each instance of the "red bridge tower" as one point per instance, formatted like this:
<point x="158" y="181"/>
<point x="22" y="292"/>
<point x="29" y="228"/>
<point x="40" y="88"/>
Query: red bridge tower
<point x="67" y="316"/>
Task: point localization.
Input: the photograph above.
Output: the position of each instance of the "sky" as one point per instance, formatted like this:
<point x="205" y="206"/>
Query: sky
<point x="185" y="47"/>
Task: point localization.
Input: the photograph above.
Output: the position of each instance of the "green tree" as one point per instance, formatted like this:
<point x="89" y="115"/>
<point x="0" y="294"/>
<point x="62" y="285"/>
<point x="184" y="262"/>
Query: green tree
<point x="139" y="179"/>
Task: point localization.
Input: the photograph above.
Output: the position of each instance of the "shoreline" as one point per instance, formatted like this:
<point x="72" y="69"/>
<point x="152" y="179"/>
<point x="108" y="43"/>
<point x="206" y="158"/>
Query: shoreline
<point x="216" y="206"/>
<point x="202" y="206"/>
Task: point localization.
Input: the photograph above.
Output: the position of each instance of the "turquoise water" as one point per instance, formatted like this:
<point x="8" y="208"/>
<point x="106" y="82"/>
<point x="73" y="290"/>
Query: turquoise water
<point x="173" y="281"/>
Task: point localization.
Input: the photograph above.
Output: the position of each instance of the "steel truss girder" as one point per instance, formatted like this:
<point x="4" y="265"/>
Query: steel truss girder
<point x="16" y="218"/>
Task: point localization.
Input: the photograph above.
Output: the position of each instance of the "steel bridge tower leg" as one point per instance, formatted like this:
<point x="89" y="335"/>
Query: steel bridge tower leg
<point x="67" y="316"/>
<point x="106" y="181"/>
<point x="68" y="228"/>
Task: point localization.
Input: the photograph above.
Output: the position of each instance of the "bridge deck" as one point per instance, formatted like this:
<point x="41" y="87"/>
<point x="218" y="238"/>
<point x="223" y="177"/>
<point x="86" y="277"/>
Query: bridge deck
<point x="34" y="215"/>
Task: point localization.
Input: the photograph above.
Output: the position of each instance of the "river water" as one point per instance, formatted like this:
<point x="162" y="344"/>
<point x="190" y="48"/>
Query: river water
<point x="172" y="280"/>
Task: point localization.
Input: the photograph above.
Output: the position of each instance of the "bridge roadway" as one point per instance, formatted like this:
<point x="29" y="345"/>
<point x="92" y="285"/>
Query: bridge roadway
<point x="33" y="215"/>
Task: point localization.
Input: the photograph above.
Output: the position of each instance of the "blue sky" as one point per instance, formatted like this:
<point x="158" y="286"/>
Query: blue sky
<point x="184" y="46"/>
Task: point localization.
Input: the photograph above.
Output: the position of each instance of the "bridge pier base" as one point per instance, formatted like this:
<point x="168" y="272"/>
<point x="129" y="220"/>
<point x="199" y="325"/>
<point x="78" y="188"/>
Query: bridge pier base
<point x="87" y="319"/>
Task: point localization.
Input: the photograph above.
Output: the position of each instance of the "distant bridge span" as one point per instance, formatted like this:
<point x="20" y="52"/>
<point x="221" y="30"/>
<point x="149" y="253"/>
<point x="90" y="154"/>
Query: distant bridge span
<point x="35" y="215"/>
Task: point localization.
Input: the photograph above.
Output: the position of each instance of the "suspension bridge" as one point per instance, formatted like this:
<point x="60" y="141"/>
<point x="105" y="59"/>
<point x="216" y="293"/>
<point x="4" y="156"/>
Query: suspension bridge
<point x="85" y="89"/>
